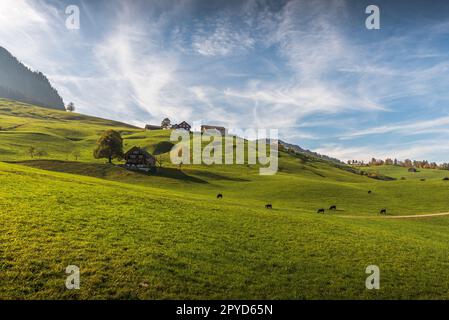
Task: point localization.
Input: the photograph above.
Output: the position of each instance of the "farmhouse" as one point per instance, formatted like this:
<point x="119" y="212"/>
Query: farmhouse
<point x="138" y="158"/>
<point x="412" y="170"/>
<point x="152" y="127"/>
<point x="183" y="126"/>
<point x="221" y="130"/>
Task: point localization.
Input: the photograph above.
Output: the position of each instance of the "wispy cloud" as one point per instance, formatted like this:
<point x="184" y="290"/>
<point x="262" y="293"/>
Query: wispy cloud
<point x="293" y="65"/>
<point x="31" y="29"/>
<point x="431" y="150"/>
<point x="219" y="38"/>
<point x="407" y="128"/>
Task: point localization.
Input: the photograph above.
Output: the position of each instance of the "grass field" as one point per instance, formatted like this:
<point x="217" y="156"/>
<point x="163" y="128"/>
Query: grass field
<point x="400" y="172"/>
<point x="164" y="236"/>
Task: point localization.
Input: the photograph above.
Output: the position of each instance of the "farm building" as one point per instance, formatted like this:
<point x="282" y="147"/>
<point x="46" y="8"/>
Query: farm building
<point x="183" y="126"/>
<point x="412" y="170"/>
<point x="139" y="158"/>
<point x="221" y="130"/>
<point x="152" y="127"/>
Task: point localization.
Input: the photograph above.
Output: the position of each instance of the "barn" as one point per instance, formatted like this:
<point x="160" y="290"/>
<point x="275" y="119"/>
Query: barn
<point x="150" y="127"/>
<point x="139" y="158"/>
<point x="220" y="130"/>
<point x="182" y="126"/>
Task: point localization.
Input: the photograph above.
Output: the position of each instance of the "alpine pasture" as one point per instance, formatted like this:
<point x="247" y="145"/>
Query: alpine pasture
<point x="167" y="236"/>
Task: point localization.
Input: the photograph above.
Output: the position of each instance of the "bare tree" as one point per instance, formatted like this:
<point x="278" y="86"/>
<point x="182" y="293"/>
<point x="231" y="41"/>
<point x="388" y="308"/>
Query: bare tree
<point x="32" y="152"/>
<point x="76" y="154"/>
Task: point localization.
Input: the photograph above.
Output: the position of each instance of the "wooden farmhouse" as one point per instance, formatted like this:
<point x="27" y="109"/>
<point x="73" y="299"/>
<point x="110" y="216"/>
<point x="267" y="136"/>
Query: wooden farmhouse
<point x="139" y="159"/>
<point x="152" y="127"/>
<point x="221" y="130"/>
<point x="183" y="126"/>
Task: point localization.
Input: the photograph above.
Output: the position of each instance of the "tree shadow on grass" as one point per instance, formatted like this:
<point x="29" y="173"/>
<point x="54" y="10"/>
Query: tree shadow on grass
<point x="216" y="176"/>
<point x="177" y="174"/>
<point x="107" y="171"/>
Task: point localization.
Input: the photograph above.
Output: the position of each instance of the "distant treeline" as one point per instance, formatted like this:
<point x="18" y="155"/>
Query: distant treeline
<point x="17" y="82"/>
<point x="407" y="163"/>
<point x="284" y="146"/>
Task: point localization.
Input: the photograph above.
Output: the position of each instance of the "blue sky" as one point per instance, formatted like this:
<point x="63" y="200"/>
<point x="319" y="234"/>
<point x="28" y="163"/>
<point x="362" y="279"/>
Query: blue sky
<point x="308" y="68"/>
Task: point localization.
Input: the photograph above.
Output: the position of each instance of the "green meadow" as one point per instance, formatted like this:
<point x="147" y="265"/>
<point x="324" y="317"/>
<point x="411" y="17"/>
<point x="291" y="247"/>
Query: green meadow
<point x="402" y="173"/>
<point x="166" y="236"/>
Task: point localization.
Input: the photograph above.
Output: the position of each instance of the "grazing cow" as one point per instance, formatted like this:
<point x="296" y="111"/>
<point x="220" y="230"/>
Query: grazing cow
<point x="268" y="206"/>
<point x="333" y="207"/>
<point x="383" y="211"/>
<point x="219" y="196"/>
<point x="369" y="191"/>
<point x="320" y="210"/>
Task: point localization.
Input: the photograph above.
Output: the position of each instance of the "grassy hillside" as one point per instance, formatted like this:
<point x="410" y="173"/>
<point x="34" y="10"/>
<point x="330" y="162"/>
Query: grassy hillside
<point x="58" y="133"/>
<point x="167" y="236"/>
<point x="401" y="172"/>
<point x="143" y="242"/>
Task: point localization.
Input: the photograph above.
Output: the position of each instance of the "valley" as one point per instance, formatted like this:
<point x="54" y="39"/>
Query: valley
<point x="167" y="236"/>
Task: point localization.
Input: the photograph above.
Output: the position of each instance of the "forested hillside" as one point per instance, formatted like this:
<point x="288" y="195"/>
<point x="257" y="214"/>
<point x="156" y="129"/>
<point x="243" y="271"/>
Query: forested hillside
<point x="20" y="83"/>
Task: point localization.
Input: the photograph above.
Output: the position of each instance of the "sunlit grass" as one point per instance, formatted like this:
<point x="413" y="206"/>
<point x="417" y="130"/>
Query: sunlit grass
<point x="137" y="236"/>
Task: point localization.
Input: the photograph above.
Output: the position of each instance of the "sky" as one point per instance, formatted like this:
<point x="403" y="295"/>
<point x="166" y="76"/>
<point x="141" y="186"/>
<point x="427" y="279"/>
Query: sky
<point x="310" y="69"/>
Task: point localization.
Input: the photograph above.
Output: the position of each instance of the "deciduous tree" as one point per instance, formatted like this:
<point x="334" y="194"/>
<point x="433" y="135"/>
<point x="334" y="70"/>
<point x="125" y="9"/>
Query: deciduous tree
<point x="109" y="146"/>
<point x="70" y="107"/>
<point x="166" y="123"/>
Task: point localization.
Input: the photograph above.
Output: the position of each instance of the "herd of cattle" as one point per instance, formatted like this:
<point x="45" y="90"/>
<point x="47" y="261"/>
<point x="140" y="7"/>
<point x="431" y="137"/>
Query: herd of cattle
<point x="321" y="210"/>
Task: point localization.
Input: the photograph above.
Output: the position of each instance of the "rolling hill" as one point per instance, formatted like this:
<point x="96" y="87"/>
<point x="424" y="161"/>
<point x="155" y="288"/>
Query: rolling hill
<point x="137" y="236"/>
<point x="309" y="153"/>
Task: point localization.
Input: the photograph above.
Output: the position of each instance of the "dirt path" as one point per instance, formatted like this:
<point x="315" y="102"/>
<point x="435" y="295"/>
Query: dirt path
<point x="416" y="216"/>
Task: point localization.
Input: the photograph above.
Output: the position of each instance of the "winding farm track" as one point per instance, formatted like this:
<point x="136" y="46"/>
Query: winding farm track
<point x="416" y="216"/>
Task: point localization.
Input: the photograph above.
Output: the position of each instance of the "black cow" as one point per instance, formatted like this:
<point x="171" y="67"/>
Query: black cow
<point x="369" y="191"/>
<point x="383" y="211"/>
<point x="333" y="207"/>
<point x="219" y="196"/>
<point x="320" y="210"/>
<point x="268" y="206"/>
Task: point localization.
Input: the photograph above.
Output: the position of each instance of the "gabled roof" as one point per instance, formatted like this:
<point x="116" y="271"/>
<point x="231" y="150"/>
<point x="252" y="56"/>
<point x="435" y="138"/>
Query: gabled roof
<point x="153" y="126"/>
<point x="184" y="123"/>
<point x="212" y="127"/>
<point x="141" y="150"/>
<point x="180" y="125"/>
